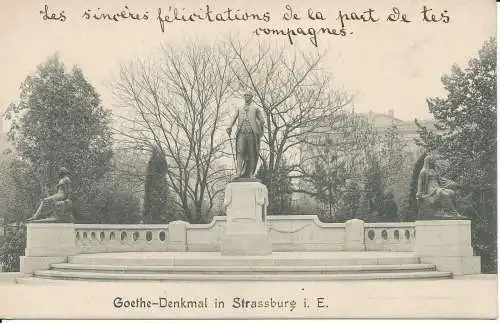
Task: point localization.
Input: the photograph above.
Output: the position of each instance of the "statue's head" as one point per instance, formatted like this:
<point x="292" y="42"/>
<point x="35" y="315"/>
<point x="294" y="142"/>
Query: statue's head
<point x="63" y="171"/>
<point x="248" y="97"/>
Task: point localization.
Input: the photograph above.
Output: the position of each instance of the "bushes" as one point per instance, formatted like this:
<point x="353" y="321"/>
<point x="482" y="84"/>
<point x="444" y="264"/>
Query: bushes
<point x="111" y="201"/>
<point x="12" y="249"/>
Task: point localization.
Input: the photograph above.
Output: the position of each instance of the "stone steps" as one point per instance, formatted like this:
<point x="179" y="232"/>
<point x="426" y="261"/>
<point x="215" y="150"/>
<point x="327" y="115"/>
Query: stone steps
<point x="212" y="266"/>
<point x="95" y="276"/>
<point x="228" y="270"/>
<point x="275" y="259"/>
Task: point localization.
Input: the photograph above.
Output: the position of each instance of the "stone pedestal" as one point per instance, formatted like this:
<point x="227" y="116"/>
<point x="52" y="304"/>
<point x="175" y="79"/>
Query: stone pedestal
<point x="46" y="244"/>
<point x="354" y="239"/>
<point x="447" y="244"/>
<point x="177" y="236"/>
<point x="246" y="230"/>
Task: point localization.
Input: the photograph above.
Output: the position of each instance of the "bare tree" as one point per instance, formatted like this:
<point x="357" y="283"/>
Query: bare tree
<point x="332" y="161"/>
<point x="179" y="103"/>
<point x="355" y="153"/>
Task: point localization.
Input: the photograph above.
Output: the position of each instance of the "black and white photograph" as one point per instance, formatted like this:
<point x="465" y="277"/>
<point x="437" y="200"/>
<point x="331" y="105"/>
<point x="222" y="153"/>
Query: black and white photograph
<point x="248" y="160"/>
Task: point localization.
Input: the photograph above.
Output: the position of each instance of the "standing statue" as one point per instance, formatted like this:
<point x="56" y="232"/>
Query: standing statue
<point x="436" y="197"/>
<point x="57" y="207"/>
<point x="248" y="134"/>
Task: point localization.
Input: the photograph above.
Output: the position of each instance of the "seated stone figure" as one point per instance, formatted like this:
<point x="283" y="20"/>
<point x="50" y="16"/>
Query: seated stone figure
<point x="436" y="195"/>
<point x="57" y="207"/>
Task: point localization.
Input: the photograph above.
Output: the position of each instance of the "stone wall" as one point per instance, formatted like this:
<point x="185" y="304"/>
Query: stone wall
<point x="287" y="233"/>
<point x="305" y="233"/>
<point x="445" y="243"/>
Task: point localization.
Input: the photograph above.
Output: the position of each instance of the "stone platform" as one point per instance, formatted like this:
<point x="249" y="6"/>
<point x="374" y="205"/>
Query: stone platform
<point x="279" y="266"/>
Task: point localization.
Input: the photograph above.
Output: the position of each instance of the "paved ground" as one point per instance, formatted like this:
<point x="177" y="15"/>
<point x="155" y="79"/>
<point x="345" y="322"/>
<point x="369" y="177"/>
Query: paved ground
<point x="472" y="296"/>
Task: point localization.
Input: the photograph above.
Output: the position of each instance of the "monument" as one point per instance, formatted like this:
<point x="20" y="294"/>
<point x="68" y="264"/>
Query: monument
<point x="443" y="236"/>
<point x="56" y="207"/>
<point x="246" y="198"/>
<point x="51" y="231"/>
<point x="436" y="196"/>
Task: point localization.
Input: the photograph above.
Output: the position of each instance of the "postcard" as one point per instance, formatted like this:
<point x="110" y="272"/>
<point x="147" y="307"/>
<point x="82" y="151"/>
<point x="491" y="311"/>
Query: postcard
<point x="248" y="160"/>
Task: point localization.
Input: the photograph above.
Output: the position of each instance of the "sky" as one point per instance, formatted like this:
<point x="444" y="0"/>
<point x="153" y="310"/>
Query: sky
<point x="390" y="65"/>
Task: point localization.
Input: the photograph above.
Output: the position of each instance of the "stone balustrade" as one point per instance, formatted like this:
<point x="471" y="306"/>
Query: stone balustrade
<point x="92" y="238"/>
<point x="398" y="236"/>
<point x="288" y="233"/>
